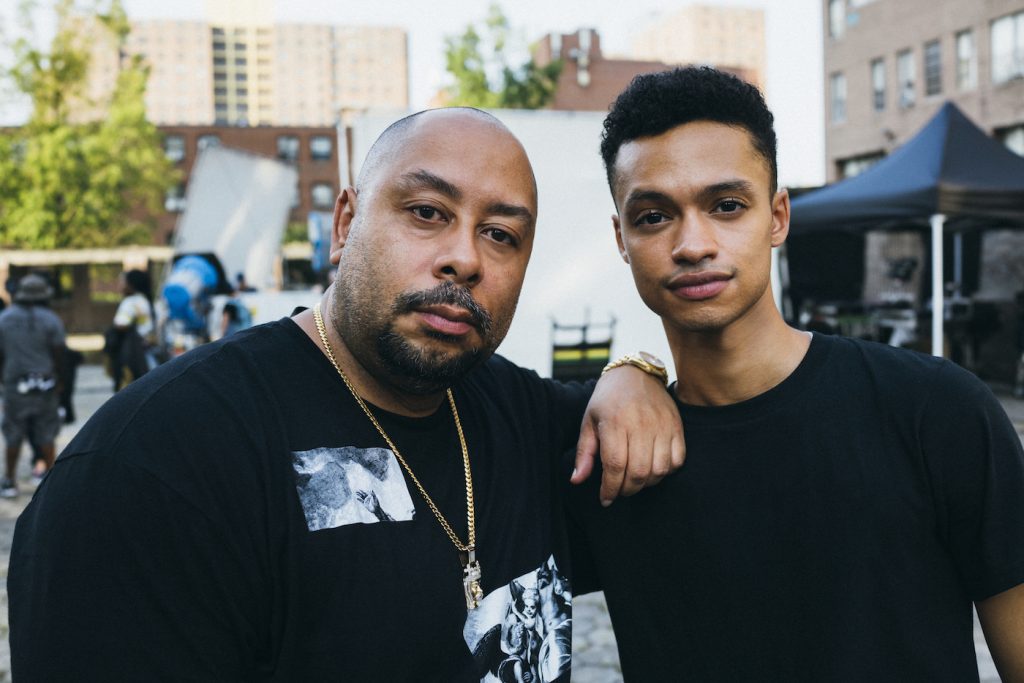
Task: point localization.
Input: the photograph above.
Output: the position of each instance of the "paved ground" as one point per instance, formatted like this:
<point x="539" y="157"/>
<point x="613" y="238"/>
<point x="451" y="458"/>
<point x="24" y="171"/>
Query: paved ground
<point x="595" y="658"/>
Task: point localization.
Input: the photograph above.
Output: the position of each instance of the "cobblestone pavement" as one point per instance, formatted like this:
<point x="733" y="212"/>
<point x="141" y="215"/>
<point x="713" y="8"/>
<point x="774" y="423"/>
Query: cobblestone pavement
<point x="595" y="657"/>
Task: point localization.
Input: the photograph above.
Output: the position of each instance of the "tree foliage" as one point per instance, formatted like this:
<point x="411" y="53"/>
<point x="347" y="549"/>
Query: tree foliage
<point x="68" y="180"/>
<point x="485" y="74"/>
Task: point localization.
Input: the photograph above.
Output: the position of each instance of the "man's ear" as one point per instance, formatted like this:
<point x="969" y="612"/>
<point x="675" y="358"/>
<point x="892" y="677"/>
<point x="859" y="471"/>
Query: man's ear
<point x="618" y="237"/>
<point x="344" y="214"/>
<point x="780" y="217"/>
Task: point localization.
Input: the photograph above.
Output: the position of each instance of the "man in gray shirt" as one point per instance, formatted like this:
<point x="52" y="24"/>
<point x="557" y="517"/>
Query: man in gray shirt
<point x="31" y="338"/>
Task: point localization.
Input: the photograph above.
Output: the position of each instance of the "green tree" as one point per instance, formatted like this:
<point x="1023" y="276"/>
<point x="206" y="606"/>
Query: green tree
<point x="485" y="72"/>
<point x="80" y="172"/>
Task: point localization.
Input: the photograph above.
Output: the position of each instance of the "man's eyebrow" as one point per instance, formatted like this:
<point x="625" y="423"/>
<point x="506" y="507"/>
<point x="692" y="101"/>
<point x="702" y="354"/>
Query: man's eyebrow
<point x="637" y="196"/>
<point x="706" y="193"/>
<point x="738" y="186"/>
<point x="419" y="179"/>
<point x="511" y="211"/>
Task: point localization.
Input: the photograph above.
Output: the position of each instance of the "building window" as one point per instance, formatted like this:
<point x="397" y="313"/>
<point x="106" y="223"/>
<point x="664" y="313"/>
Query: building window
<point x="905" y="74"/>
<point x="1013" y="138"/>
<point x="321" y="147"/>
<point x="174" y="147"/>
<point x="208" y="140"/>
<point x="174" y="200"/>
<point x="932" y="68"/>
<point x="323" y="196"/>
<point x="837" y="92"/>
<point x="240" y="61"/>
<point x="1008" y="48"/>
<point x="856" y="165"/>
<point x="287" y="147"/>
<point x="966" y="61"/>
<point x="878" y="84"/>
<point x="241" y="77"/>
<point x="836" y="18"/>
<point x="220" y="61"/>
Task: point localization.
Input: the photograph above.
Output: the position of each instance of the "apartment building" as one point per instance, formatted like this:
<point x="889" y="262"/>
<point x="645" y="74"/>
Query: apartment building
<point x="704" y="34"/>
<point x="239" y="67"/>
<point x="890" y="64"/>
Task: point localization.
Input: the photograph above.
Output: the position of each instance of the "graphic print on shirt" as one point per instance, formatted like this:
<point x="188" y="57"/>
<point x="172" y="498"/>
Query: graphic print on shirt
<point x="350" y="485"/>
<point x="522" y="632"/>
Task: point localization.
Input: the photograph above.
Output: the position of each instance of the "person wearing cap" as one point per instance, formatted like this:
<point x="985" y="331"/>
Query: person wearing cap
<point x="31" y="341"/>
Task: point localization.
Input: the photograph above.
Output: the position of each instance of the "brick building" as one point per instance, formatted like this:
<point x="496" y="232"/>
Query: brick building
<point x="589" y="81"/>
<point x="313" y="150"/>
<point x="890" y="64"/>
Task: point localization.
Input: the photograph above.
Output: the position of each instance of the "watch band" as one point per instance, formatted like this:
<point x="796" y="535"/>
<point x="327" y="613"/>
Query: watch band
<point x="641" y="360"/>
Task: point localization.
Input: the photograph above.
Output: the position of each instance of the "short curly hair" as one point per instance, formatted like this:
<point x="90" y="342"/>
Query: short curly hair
<point x="657" y="102"/>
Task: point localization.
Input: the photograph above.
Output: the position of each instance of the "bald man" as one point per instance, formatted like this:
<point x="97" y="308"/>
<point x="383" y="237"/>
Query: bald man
<point x="363" y="492"/>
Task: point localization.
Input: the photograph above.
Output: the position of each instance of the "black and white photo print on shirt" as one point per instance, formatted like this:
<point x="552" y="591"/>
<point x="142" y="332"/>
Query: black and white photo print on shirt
<point x="350" y="485"/>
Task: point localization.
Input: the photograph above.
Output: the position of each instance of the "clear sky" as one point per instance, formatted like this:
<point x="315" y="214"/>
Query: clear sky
<point x="793" y="27"/>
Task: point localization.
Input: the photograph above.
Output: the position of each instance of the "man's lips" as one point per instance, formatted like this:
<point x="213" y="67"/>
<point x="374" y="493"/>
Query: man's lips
<point x="450" y="320"/>
<point x="699" y="286"/>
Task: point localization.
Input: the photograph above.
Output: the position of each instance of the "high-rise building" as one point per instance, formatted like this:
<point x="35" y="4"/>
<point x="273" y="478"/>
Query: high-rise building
<point x="241" y="68"/>
<point x="890" y="65"/>
<point x="704" y="34"/>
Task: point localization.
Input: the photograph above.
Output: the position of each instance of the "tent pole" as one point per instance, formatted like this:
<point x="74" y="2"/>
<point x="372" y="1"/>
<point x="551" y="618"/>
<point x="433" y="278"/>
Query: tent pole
<point x="958" y="263"/>
<point x="938" y="306"/>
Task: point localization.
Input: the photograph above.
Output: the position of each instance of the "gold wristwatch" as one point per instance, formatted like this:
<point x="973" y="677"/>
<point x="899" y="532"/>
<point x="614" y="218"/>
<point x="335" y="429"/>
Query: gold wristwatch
<point x="647" y="362"/>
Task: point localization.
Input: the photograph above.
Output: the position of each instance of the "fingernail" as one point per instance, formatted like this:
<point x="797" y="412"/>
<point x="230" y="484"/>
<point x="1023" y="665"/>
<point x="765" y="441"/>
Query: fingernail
<point x="605" y="503"/>
<point x="573" y="475"/>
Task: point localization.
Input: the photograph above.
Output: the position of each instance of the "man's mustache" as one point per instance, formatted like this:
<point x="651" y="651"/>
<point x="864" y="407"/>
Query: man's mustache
<point x="449" y="294"/>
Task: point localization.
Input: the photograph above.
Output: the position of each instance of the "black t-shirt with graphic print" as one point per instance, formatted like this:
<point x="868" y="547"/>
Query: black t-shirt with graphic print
<point x="834" y="528"/>
<point x="235" y="516"/>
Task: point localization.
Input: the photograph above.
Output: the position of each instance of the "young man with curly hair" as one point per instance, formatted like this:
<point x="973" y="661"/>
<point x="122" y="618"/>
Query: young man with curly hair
<point x="843" y="503"/>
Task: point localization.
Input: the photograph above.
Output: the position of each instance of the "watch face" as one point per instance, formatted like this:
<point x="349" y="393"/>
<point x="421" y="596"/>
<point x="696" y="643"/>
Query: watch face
<point x="653" y="360"/>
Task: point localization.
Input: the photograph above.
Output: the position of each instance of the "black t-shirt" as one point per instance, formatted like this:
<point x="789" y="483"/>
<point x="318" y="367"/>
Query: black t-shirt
<point x="235" y="516"/>
<point x="834" y="528"/>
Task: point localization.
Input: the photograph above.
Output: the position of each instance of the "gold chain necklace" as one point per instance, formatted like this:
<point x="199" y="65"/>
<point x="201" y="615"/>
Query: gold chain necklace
<point x="470" y="565"/>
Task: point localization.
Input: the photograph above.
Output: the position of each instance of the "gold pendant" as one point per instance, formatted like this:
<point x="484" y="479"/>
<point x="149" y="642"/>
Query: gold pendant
<point x="471" y="581"/>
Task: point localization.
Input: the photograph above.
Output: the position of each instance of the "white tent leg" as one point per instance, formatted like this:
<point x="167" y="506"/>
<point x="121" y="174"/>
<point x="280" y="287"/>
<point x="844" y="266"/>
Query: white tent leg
<point x="958" y="263"/>
<point x="938" y="305"/>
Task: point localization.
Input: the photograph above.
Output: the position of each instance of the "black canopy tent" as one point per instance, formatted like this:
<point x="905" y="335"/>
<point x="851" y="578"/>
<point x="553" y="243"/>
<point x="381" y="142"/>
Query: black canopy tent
<point x="951" y="176"/>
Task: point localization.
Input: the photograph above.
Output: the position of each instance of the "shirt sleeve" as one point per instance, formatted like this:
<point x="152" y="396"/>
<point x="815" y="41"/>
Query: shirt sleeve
<point x="977" y="467"/>
<point x="125" y="315"/>
<point x="152" y="547"/>
<point x="59" y="337"/>
<point x="120" y="576"/>
<point x="581" y="512"/>
<point x="568" y="401"/>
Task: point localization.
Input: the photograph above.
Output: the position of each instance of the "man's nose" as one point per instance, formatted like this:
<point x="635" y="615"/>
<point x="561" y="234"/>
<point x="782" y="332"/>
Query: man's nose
<point x="695" y="239"/>
<point x="458" y="258"/>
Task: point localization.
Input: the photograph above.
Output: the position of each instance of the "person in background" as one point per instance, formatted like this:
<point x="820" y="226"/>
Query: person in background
<point x="236" y="315"/>
<point x="31" y="344"/>
<point x="131" y="340"/>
